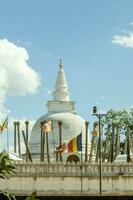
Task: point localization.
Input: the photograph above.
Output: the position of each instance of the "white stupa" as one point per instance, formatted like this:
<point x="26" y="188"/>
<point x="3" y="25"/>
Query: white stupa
<point x="59" y="109"/>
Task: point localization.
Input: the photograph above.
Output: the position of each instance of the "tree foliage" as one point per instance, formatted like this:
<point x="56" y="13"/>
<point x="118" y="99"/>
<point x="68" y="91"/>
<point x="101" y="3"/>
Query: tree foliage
<point x="6" y="165"/>
<point x="119" y="126"/>
<point x="6" y="168"/>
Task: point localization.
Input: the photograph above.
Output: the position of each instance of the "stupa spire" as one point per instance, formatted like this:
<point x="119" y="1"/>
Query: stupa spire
<point x="61" y="64"/>
<point x="61" y="88"/>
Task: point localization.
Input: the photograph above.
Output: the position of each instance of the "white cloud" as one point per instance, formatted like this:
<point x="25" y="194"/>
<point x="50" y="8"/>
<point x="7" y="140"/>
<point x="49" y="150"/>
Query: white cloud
<point x="16" y="76"/>
<point x="124" y="41"/>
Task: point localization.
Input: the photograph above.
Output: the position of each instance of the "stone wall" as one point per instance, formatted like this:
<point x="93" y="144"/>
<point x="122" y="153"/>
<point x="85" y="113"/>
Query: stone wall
<point x="69" y="179"/>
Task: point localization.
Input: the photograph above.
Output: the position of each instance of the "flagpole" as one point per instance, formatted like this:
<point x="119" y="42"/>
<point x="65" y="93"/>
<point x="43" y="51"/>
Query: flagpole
<point x="60" y="138"/>
<point x="81" y="167"/>
<point x="7" y="137"/>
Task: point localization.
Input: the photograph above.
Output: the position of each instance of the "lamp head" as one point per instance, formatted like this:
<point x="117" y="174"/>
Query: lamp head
<point x="94" y="110"/>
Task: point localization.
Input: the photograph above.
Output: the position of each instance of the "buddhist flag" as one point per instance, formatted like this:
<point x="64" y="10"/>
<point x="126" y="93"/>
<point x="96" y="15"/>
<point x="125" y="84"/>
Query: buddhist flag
<point x="46" y="127"/>
<point x="4" y="125"/>
<point x="61" y="148"/>
<point x="75" y="144"/>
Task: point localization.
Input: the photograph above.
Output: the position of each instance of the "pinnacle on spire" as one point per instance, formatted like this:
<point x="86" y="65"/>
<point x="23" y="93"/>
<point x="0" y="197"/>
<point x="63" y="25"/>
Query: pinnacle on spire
<point x="61" y="64"/>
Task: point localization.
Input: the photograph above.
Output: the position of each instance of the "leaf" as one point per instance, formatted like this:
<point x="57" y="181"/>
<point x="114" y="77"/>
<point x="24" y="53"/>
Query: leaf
<point x="6" y="165"/>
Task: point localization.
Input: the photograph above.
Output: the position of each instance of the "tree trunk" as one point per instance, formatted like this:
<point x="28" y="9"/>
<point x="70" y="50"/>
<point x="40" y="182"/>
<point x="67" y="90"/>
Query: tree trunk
<point x="105" y="149"/>
<point x="117" y="142"/>
<point x="112" y="143"/>
<point x="128" y="145"/>
<point x="91" y="150"/>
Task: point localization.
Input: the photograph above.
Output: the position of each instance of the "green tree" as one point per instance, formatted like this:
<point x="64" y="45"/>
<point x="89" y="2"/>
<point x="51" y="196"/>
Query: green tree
<point x="121" y="122"/>
<point x="6" y="168"/>
<point x="6" y="165"/>
<point x="110" y="122"/>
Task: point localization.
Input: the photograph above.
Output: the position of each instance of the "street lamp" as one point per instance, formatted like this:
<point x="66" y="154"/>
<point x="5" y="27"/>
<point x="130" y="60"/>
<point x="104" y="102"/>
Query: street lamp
<point x="99" y="116"/>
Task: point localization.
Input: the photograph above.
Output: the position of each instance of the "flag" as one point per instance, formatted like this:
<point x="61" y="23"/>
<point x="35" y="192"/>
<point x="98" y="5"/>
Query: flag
<point x="61" y="148"/>
<point x="75" y="144"/>
<point x="95" y="132"/>
<point x="79" y="142"/>
<point x="4" y="125"/>
<point x="0" y="129"/>
<point x="46" y="127"/>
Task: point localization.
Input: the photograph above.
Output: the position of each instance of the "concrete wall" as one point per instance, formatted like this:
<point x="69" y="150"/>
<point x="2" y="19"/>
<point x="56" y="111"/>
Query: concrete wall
<point x="70" y="179"/>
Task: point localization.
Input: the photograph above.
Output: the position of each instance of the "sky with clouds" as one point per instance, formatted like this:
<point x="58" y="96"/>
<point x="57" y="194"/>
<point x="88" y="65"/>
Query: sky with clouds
<point x="94" y="39"/>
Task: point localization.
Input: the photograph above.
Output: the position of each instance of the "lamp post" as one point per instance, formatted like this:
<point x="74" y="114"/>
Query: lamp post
<point x="99" y="116"/>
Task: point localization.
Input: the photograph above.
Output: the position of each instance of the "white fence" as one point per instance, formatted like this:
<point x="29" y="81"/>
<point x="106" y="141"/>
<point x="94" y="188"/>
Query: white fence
<point x="71" y="169"/>
<point x="69" y="179"/>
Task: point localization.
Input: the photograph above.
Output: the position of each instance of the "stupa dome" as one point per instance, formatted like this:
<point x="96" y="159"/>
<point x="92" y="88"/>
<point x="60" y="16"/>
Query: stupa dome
<point x="61" y="108"/>
<point x="72" y="125"/>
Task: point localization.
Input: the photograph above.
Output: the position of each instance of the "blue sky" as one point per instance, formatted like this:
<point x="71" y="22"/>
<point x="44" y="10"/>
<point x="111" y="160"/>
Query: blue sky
<point x="94" y="39"/>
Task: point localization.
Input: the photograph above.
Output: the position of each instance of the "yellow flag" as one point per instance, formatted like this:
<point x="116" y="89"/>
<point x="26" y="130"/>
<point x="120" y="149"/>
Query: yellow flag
<point x="4" y="125"/>
<point x="1" y="129"/>
<point x="75" y="144"/>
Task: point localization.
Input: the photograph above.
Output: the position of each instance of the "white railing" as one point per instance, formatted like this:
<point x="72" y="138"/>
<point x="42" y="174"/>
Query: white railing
<point x="71" y="169"/>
